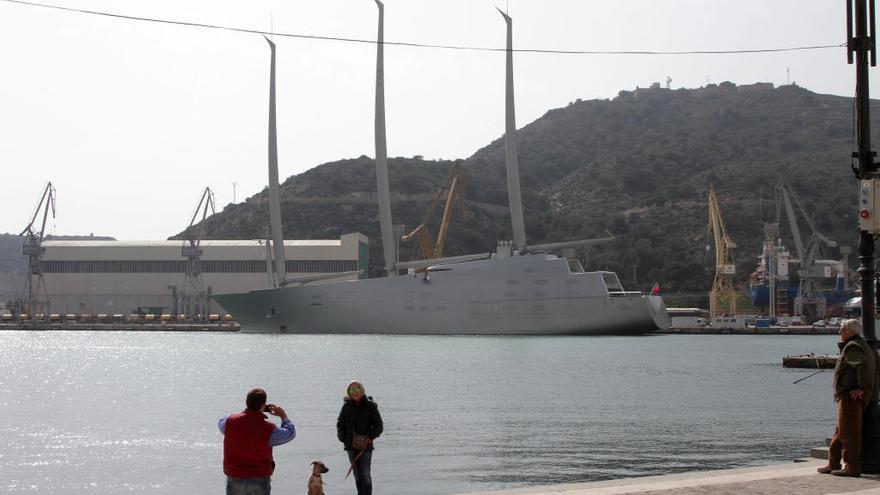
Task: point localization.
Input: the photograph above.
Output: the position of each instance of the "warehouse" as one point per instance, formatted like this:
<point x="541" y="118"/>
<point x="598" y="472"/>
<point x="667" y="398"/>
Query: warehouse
<point x="149" y="276"/>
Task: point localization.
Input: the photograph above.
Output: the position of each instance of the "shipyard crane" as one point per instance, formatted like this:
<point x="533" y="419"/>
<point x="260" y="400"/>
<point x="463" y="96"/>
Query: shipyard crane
<point x="35" y="286"/>
<point x="809" y="302"/>
<point x="722" y="286"/>
<point x="453" y="190"/>
<point x="194" y="296"/>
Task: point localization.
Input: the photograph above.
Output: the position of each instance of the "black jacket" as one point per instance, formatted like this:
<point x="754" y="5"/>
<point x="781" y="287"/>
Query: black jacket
<point x="363" y="419"/>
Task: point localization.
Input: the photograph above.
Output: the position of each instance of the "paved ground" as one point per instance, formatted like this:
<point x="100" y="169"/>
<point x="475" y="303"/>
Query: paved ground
<point x="779" y="479"/>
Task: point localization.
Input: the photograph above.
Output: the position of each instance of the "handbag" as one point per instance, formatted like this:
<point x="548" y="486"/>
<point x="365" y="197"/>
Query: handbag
<point x="360" y="442"/>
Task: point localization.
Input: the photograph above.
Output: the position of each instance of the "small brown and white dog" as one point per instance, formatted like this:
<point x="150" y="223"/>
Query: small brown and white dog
<point x="316" y="484"/>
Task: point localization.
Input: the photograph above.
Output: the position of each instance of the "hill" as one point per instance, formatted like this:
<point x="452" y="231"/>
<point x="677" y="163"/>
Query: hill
<point x="638" y="166"/>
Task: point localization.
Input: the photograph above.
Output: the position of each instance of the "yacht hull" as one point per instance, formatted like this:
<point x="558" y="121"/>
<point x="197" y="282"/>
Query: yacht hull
<point x="520" y="295"/>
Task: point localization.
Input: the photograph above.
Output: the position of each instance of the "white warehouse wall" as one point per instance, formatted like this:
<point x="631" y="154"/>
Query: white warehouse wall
<point x="120" y="276"/>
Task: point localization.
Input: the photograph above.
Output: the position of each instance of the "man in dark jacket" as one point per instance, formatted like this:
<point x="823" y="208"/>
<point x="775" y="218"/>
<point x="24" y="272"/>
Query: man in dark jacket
<point x="854" y="379"/>
<point x="359" y="416"/>
<point x="248" y="438"/>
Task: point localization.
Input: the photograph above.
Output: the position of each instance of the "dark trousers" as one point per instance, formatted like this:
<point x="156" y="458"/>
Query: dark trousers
<point x="361" y="471"/>
<point x="248" y="486"/>
<point x="847" y="438"/>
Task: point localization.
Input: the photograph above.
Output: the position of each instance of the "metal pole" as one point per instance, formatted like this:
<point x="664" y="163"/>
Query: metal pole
<point x="861" y="45"/>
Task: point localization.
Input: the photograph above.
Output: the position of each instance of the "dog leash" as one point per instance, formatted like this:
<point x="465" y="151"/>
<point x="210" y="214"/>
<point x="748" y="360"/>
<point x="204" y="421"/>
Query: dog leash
<point x="330" y="484"/>
<point x="350" y="468"/>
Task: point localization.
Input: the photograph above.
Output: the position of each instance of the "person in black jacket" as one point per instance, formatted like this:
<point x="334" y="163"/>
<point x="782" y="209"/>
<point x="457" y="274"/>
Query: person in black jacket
<point x="359" y="416"/>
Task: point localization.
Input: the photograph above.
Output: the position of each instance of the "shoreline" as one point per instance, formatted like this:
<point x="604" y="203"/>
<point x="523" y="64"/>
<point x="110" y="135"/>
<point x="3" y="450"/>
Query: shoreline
<point x="121" y="327"/>
<point x="230" y="327"/>
<point x="799" y="476"/>
<point x="774" y="330"/>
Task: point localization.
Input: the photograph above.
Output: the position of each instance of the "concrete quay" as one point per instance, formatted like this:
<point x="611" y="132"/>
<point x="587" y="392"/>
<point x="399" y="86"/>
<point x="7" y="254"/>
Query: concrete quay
<point x="791" y="330"/>
<point x="121" y="327"/>
<point x="792" y="478"/>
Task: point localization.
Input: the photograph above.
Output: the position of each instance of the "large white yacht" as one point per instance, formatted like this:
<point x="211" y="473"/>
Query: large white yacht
<point x="518" y="290"/>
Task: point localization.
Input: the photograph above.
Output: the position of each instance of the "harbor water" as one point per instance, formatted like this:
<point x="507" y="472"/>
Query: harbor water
<point x="126" y="412"/>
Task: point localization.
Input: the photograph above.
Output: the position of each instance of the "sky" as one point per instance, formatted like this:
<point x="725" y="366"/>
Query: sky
<point x="132" y="120"/>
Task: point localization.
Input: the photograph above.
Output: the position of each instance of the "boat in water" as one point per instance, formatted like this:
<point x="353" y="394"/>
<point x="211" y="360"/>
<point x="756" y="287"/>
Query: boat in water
<point x="517" y="295"/>
<point x="519" y="289"/>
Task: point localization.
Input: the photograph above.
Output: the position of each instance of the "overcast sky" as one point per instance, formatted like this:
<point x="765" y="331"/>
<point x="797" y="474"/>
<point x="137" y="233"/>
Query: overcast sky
<point x="131" y="120"/>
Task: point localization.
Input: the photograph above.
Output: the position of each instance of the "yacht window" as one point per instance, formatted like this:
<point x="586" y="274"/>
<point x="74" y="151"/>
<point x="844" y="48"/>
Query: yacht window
<point x="611" y="282"/>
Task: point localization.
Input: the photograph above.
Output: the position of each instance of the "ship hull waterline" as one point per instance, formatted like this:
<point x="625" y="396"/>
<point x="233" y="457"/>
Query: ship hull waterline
<point x="521" y="295"/>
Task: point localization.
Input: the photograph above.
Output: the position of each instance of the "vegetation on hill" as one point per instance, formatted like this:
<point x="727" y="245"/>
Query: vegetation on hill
<point x="637" y="166"/>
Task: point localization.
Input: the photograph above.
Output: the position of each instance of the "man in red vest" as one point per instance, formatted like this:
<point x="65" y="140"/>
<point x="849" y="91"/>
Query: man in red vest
<point x="248" y="438"/>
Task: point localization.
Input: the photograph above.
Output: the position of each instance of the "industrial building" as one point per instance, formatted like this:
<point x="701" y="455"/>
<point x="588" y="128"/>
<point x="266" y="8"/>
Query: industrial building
<point x="112" y="277"/>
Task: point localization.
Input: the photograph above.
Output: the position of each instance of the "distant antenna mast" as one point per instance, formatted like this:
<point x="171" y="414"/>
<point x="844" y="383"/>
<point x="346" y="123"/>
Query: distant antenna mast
<point x="788" y="76"/>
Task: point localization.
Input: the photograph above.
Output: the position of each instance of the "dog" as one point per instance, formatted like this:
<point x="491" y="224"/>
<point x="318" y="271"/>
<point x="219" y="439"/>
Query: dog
<point x="316" y="484"/>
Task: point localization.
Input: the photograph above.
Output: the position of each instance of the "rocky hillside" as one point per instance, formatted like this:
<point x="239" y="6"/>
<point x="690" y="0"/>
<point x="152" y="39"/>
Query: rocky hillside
<point x="638" y="166"/>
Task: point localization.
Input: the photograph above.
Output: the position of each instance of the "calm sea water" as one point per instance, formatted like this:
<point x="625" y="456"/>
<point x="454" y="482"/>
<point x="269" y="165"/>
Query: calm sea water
<point x="110" y="413"/>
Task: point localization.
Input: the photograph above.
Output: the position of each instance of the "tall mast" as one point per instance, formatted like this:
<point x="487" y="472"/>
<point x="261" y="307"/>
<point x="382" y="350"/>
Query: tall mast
<point x="513" y="189"/>
<point x="384" y="195"/>
<point x="274" y="196"/>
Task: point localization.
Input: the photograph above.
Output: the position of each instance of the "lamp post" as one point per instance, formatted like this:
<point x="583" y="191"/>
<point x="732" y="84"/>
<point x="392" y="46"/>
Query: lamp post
<point x="860" y="46"/>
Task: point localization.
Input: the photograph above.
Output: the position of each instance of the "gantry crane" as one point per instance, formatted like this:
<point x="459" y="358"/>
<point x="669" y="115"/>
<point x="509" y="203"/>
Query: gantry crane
<point x="194" y="296"/>
<point x="35" y="286"/>
<point x="725" y="269"/>
<point x="809" y="302"/>
<point x="453" y="189"/>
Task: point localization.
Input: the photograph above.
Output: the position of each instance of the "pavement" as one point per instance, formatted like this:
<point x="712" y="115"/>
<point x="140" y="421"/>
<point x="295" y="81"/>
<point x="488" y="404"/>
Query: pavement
<point x="783" y="479"/>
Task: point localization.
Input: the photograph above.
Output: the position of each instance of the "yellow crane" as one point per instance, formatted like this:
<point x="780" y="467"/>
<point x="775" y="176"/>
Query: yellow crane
<point x="453" y="188"/>
<point x="722" y="287"/>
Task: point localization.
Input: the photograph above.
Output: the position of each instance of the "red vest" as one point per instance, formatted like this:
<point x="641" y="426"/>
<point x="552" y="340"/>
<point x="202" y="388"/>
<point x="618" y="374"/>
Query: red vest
<point x="246" y="450"/>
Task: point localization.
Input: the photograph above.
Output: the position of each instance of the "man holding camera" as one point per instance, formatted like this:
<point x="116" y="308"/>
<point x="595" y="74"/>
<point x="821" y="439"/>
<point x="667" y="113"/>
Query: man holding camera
<point x="248" y="438"/>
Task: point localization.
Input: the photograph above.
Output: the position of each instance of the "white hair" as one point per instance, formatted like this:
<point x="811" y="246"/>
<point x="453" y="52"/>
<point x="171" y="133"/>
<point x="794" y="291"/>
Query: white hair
<point x="853" y="325"/>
